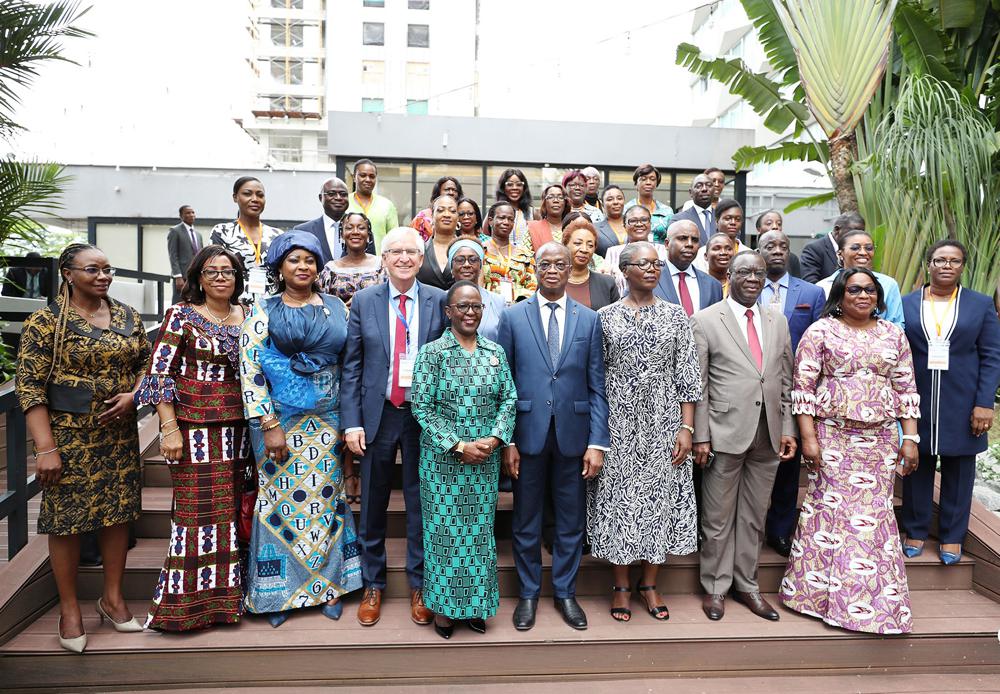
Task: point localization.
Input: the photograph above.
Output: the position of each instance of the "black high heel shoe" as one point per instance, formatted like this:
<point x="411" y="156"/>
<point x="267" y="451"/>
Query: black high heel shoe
<point x="444" y="632"/>
<point x="352" y="498"/>
<point x="477" y="625"/>
<point x="659" y="612"/>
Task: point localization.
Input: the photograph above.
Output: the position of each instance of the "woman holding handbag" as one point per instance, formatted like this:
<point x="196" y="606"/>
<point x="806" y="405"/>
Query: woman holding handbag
<point x="79" y="360"/>
<point x="194" y="382"/>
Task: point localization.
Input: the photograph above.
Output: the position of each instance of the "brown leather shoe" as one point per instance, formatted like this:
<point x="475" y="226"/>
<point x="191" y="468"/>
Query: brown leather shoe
<point x="757" y="604"/>
<point x="370" y="609"/>
<point x="714" y="606"/>
<point x="418" y="611"/>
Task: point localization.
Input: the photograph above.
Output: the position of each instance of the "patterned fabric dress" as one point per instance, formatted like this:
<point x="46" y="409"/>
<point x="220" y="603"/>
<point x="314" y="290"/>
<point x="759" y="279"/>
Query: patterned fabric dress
<point x="847" y="560"/>
<point x="516" y="267"/>
<point x="641" y="507"/>
<point x="101" y="474"/>
<point x="458" y="396"/>
<point x="661" y="214"/>
<point x="195" y="366"/>
<point x="303" y="549"/>
<point x="230" y="236"/>
<point x="344" y="283"/>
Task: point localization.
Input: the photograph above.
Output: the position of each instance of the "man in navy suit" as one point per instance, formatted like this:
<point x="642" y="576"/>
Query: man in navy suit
<point x="801" y="302"/>
<point x="819" y="258"/>
<point x="700" y="212"/>
<point x="680" y="282"/>
<point x="387" y="326"/>
<point x="554" y="348"/>
<point x="326" y="228"/>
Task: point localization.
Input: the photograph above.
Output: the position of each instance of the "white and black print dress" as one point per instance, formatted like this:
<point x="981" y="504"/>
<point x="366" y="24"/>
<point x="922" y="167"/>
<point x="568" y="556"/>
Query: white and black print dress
<point x="230" y="236"/>
<point x="641" y="507"/>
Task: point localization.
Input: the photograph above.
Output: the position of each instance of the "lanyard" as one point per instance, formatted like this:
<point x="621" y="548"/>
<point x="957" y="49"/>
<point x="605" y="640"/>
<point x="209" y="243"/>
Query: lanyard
<point x="255" y="246"/>
<point x="394" y="304"/>
<point x="951" y="300"/>
<point x="364" y="208"/>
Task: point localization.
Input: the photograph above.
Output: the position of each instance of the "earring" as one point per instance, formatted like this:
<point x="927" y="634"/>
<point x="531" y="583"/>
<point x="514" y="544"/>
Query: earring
<point x="837" y="311"/>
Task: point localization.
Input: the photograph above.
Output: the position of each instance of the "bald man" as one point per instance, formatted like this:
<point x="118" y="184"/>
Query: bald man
<point x="334" y="197"/>
<point x="681" y="282"/>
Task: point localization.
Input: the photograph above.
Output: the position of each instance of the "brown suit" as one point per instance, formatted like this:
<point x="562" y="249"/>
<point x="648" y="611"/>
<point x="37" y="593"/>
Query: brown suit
<point x="744" y="411"/>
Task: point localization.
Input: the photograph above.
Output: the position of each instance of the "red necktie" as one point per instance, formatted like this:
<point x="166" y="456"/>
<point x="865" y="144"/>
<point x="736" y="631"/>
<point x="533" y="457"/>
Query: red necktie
<point x="397" y="396"/>
<point x="754" y="341"/>
<point x="685" y="295"/>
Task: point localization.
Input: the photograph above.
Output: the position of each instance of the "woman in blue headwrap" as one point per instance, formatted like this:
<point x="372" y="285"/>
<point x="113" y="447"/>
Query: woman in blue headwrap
<point x="303" y="547"/>
<point x="465" y="258"/>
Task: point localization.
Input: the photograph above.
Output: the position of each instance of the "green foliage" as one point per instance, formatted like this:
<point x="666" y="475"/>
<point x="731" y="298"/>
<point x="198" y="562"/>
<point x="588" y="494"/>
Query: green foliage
<point x="811" y="201"/>
<point x="27" y="190"/>
<point x="747" y="156"/>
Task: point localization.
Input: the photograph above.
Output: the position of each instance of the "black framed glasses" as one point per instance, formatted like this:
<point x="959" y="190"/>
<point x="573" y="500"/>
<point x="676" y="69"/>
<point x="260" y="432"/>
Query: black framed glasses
<point x="857" y="289"/>
<point x="743" y="273"/>
<point x="947" y="262"/>
<point x="94" y="271"/>
<point x="213" y="274"/>
<point x="466" y="260"/>
<point x="637" y="222"/>
<point x="468" y="307"/>
<point x="560" y="265"/>
<point x="646" y="263"/>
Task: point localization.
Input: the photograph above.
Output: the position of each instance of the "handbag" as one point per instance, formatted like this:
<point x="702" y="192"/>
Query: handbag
<point x="248" y="503"/>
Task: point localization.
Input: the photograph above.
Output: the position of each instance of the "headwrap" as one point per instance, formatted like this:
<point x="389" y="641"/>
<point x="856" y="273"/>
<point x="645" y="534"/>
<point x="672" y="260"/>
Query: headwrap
<point x="466" y="243"/>
<point x="289" y="241"/>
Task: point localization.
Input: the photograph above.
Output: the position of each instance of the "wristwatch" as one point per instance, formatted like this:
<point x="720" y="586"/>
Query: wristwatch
<point x="911" y="437"/>
<point x="459" y="448"/>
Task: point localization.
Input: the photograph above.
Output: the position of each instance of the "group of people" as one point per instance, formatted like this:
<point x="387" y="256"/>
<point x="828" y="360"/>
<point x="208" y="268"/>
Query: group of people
<point x="647" y="382"/>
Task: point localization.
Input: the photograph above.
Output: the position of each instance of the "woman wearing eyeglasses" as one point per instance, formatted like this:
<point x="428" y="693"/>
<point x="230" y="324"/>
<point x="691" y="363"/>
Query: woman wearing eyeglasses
<point x="79" y="361"/>
<point x="853" y="389"/>
<point x="193" y="381"/>
<point x="857" y="250"/>
<point x="637" y="224"/>
<point x="513" y="188"/>
<point x="356" y="268"/>
<point x="641" y="507"/>
<point x="465" y="258"/>
<point x="554" y="208"/>
<point x="575" y="184"/>
<point x="463" y="397"/>
<point x="955" y="337"/>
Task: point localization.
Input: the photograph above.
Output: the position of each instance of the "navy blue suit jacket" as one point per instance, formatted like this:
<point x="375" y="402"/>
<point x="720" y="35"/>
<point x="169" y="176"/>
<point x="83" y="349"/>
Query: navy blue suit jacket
<point x="572" y="391"/>
<point x="317" y="228"/>
<point x="691" y="215"/>
<point x="365" y="375"/>
<point x="947" y="397"/>
<point x="803" y="304"/>
<point x="709" y="289"/>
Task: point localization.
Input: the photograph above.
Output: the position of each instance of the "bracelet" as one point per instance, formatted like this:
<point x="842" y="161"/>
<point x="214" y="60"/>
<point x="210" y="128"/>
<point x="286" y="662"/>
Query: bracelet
<point x="274" y="425"/>
<point x="164" y="434"/>
<point x="36" y="453"/>
<point x="169" y="421"/>
<point x="268" y="418"/>
<point x="688" y="427"/>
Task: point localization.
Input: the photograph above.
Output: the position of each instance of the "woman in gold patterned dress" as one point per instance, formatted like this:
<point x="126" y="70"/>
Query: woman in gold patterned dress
<point x="79" y="360"/>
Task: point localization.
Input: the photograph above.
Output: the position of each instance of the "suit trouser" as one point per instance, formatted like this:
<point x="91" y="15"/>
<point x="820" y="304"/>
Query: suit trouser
<point x="782" y="515"/>
<point x="549" y="469"/>
<point x="958" y="476"/>
<point x="398" y="429"/>
<point x="735" y="491"/>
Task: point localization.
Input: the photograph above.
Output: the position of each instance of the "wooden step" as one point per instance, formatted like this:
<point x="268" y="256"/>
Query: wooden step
<point x="954" y="632"/>
<point x="680" y="575"/>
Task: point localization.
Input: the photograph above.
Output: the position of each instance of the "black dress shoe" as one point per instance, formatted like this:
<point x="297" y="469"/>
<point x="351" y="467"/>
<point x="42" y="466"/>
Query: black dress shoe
<point x="714" y="606"/>
<point x="524" y="613"/>
<point x="571" y="612"/>
<point x="477" y="625"/>
<point x="781" y="545"/>
<point x="444" y="631"/>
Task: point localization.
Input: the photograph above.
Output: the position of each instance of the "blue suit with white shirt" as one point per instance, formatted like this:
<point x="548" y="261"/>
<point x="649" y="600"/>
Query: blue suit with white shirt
<point x="561" y="411"/>
<point x="317" y="227"/>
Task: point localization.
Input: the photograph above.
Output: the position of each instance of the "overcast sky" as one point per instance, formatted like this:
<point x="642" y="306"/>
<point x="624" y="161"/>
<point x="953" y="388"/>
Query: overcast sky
<point x="162" y="82"/>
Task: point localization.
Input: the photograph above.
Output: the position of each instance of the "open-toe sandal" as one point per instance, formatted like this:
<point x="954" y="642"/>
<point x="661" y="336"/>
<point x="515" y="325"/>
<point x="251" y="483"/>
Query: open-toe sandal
<point x="621" y="614"/>
<point x="660" y="612"/>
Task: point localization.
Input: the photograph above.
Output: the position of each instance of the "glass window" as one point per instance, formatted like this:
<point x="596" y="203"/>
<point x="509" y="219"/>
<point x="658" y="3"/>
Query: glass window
<point x="372" y="105"/>
<point x="120" y="242"/>
<point x="287" y="70"/>
<point x="286" y="103"/>
<point x="419" y="4"/>
<point x="395" y="181"/>
<point x="373" y="76"/>
<point x="288" y="4"/>
<point x="373" y="3"/>
<point x="416" y="107"/>
<point x="469" y="175"/>
<point x="287" y="34"/>
<point x="373" y="33"/>
<point x="418" y="81"/>
<point x="286" y="148"/>
<point x="418" y="36"/>
<point x="154" y="246"/>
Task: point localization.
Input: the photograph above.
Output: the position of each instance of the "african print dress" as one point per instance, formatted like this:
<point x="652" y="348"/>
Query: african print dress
<point x="460" y="396"/>
<point x="847" y="565"/>
<point x="345" y="283"/>
<point x="303" y="549"/>
<point x="195" y="366"/>
<point x="511" y="275"/>
<point x="641" y="506"/>
<point x="101" y="473"/>
<point x="231" y="236"/>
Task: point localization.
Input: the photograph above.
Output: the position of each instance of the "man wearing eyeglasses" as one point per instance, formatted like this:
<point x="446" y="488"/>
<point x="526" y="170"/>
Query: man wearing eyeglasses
<point x="554" y="348"/>
<point x="742" y="427"/>
<point x="387" y="326"/>
<point x="183" y="242"/>
<point x="334" y="197"/>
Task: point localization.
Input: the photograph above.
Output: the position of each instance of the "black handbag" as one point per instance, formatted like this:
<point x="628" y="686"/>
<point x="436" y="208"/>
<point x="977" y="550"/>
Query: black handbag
<point x="74" y="399"/>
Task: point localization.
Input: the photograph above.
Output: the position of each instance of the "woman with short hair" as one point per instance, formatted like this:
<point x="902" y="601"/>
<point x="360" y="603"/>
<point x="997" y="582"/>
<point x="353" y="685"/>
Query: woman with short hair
<point x="575" y="184"/>
<point x="508" y="269"/>
<point x="728" y="221"/>
<point x="611" y="230"/>
<point x="592" y="289"/>
<point x="647" y="179"/>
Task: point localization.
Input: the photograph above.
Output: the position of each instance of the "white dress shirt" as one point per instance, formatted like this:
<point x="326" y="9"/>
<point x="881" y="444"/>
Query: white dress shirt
<point x="702" y="212"/>
<point x="544" y="312"/>
<point x="690" y="280"/>
<point x="740" y="313"/>
<point x="333" y="237"/>
<point x="412" y="320"/>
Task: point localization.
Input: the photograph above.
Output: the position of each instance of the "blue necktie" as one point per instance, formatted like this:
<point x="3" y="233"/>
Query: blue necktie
<point x="553" y="334"/>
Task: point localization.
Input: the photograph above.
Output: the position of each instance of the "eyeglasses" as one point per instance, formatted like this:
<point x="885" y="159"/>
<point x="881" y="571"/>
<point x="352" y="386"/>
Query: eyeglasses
<point x="410" y="252"/>
<point x="467" y="213"/>
<point x="855" y="247"/>
<point x="743" y="273"/>
<point x="466" y="260"/>
<point x="646" y="263"/>
<point x="334" y="193"/>
<point x="214" y="274"/>
<point x="947" y="262"/>
<point x="555" y="197"/>
<point x="636" y="222"/>
<point x="468" y="307"/>
<point x="95" y="271"/>
<point x="856" y="289"/>
<point x="559" y="265"/>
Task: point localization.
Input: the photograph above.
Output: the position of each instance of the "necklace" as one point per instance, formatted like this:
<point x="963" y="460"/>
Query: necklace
<point x="80" y="308"/>
<point x="218" y="320"/>
<point x="583" y="281"/>
<point x="284" y="296"/>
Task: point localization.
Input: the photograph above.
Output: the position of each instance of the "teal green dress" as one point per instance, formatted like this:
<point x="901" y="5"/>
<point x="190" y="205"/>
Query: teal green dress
<point x="460" y="396"/>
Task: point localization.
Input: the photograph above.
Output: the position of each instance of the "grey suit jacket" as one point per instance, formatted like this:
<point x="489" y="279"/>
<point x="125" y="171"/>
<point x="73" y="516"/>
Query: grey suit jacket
<point x="179" y="248"/>
<point x="733" y="389"/>
<point x="692" y="215"/>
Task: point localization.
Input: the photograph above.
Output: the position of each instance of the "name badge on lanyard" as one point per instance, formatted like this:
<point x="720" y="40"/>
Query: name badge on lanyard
<point x="404" y="374"/>
<point x="257" y="281"/>
<point x="937" y="354"/>
<point x="507" y="291"/>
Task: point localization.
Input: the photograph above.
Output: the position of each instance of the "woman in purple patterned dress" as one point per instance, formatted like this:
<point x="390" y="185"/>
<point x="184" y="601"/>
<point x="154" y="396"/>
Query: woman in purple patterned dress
<point x="853" y="382"/>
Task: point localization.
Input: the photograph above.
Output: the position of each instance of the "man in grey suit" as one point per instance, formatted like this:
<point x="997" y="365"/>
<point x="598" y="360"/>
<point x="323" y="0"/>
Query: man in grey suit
<point x="700" y="212"/>
<point x="183" y="242"/>
<point x="743" y="425"/>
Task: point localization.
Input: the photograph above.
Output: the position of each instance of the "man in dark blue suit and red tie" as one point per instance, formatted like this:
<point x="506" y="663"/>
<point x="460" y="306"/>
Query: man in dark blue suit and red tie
<point x="554" y="348"/>
<point x="681" y="282"/>
<point x="801" y="302"/>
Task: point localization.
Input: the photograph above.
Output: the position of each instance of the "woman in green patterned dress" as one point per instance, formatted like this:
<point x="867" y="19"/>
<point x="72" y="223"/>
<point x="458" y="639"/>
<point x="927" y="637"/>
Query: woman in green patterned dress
<point x="463" y="397"/>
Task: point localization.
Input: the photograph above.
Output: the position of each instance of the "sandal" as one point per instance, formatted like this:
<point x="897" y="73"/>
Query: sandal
<point x="621" y="614"/>
<point x="660" y="612"/>
<point x="352" y="498"/>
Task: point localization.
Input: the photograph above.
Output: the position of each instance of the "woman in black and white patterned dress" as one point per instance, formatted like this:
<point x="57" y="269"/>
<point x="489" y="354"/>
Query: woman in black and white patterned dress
<point x="641" y="507"/>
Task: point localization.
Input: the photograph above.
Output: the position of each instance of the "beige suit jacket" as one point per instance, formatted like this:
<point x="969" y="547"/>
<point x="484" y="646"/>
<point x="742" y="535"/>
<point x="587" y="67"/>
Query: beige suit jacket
<point x="733" y="389"/>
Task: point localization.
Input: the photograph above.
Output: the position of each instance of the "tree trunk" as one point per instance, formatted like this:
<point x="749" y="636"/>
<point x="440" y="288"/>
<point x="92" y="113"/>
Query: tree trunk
<point x="842" y="151"/>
